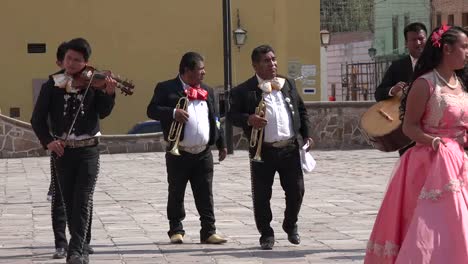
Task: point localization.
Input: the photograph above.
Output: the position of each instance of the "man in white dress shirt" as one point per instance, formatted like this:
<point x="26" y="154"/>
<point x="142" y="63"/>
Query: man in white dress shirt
<point x="200" y="130"/>
<point x="286" y="126"/>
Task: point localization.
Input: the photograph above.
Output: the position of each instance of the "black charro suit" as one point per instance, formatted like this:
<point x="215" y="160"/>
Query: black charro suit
<point x="196" y="168"/>
<point x="399" y="71"/>
<point x="246" y="97"/>
<point x="283" y="159"/>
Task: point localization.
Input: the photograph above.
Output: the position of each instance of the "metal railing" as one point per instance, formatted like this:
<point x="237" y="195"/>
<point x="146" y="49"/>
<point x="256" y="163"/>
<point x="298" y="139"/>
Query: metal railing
<point x="359" y="80"/>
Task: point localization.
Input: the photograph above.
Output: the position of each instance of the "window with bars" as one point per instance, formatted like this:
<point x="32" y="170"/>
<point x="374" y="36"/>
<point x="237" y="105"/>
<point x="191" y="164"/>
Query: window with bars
<point x="465" y="19"/>
<point x="450" y="19"/>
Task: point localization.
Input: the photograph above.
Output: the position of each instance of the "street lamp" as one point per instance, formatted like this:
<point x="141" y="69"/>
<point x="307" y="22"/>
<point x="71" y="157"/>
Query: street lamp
<point x="324" y="40"/>
<point x="325" y="37"/>
<point x="372" y="52"/>
<point x="240" y="34"/>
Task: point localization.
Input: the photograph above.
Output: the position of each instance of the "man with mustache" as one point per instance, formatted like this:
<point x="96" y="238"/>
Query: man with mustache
<point x="283" y="127"/>
<point x="400" y="72"/>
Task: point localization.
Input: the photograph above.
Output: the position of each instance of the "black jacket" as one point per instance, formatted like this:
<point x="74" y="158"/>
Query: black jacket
<point x="399" y="71"/>
<point x="161" y="107"/>
<point x="246" y="97"/>
<point x="55" y="109"/>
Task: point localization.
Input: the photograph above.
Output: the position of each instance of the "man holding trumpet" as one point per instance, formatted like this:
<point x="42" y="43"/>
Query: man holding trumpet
<point x="186" y="109"/>
<point x="274" y="118"/>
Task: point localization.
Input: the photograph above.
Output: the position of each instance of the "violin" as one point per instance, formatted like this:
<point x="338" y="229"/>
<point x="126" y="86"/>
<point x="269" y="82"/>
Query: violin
<point x="98" y="80"/>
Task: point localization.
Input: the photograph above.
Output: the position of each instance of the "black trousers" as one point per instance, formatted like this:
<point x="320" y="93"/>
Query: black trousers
<point x="198" y="169"/>
<point x="77" y="172"/>
<point x="286" y="161"/>
<point x="59" y="219"/>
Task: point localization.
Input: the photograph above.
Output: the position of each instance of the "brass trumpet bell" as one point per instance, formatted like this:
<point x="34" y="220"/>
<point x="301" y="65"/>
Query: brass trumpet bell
<point x="256" y="136"/>
<point x="176" y="128"/>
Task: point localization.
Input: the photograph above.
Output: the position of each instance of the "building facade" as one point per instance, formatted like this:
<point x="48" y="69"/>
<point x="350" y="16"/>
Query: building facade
<point x="391" y="16"/>
<point x="451" y="12"/>
<point x="143" y="41"/>
<point x="344" y="48"/>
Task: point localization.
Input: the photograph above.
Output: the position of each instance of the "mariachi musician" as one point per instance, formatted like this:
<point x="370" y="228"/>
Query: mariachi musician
<point x="399" y="74"/>
<point x="274" y="118"/>
<point x="72" y="139"/>
<point x="186" y="109"/>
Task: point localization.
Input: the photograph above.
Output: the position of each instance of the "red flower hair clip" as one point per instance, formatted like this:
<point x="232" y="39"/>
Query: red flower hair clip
<point x="437" y="35"/>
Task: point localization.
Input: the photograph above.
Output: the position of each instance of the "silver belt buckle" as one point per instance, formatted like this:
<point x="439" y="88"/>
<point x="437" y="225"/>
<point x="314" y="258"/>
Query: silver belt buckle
<point x="281" y="143"/>
<point x="193" y="150"/>
<point x="81" y="143"/>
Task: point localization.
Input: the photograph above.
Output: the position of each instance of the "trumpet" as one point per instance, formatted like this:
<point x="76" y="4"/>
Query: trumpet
<point x="256" y="136"/>
<point x="176" y="128"/>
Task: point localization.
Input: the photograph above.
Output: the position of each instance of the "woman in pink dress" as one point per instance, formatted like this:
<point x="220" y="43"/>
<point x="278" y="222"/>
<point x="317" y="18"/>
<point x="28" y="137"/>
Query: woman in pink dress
<point x="424" y="214"/>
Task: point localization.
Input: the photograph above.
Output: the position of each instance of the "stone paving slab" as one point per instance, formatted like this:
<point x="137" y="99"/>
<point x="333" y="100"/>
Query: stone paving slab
<point x="342" y="197"/>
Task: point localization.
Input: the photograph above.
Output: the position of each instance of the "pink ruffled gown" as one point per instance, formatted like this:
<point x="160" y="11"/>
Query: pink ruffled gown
<point x="424" y="214"/>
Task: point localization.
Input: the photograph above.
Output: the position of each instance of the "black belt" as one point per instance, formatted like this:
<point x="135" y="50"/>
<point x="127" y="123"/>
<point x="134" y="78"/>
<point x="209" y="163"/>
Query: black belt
<point x="279" y="144"/>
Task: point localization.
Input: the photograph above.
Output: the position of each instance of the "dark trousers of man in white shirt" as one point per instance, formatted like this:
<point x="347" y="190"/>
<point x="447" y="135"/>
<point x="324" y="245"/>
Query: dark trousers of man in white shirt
<point x="198" y="169"/>
<point x="286" y="161"/>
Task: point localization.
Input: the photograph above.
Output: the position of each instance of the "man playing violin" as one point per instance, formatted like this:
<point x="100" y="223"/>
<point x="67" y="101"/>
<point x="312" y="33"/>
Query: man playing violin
<point x="59" y="220"/>
<point x="71" y="136"/>
<point x="193" y="160"/>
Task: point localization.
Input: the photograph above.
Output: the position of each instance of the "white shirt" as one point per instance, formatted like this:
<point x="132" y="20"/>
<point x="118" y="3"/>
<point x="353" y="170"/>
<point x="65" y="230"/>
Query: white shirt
<point x="279" y="125"/>
<point x="197" y="127"/>
<point x="413" y="61"/>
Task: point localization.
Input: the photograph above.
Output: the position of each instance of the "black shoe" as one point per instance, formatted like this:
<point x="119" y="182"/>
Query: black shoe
<point x="267" y="243"/>
<point x="60" y="253"/>
<point x="88" y="249"/>
<point x="76" y="259"/>
<point x="294" y="238"/>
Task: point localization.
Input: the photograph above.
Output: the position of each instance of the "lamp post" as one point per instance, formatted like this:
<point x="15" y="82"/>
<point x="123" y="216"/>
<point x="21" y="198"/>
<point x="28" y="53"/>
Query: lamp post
<point x="324" y="40"/>
<point x="227" y="73"/>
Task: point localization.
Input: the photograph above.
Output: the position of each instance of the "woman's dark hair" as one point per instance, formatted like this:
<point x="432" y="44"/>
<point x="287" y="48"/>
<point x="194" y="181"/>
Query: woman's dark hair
<point x="430" y="58"/>
<point x="189" y="60"/>
<point x="80" y="45"/>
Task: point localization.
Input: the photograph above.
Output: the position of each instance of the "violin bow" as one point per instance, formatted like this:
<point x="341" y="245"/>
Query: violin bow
<point x="80" y="107"/>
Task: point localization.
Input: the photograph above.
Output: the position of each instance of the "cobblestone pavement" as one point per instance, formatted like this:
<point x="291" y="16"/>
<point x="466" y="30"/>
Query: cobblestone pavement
<point x="341" y="200"/>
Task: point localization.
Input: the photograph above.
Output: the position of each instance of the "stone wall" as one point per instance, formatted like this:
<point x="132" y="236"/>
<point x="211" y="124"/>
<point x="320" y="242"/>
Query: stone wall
<point x="18" y="140"/>
<point x="335" y="126"/>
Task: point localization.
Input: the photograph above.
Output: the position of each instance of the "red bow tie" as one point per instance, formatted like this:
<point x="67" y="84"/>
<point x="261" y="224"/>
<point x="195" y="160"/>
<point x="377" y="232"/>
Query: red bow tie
<point x="196" y="93"/>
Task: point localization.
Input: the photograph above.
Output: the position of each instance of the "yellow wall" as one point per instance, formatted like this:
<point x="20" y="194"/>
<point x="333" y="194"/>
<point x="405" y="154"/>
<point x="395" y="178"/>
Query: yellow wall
<point x="144" y="40"/>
